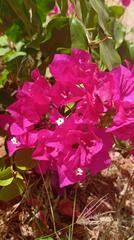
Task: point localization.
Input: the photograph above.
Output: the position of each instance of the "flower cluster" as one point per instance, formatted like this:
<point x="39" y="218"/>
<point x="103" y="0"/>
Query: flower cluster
<point x="70" y="123"/>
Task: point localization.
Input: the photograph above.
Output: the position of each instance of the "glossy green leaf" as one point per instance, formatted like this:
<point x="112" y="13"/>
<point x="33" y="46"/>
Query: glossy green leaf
<point x="14" y="32"/>
<point x="90" y="20"/>
<point x="109" y="55"/>
<point x="23" y="159"/>
<point x="3" y="51"/>
<point x="131" y="50"/>
<point x="116" y="11"/>
<point x="13" y="190"/>
<point x="27" y="16"/>
<point x="119" y="34"/>
<point x="78" y="34"/>
<point x="63" y="5"/>
<point x="19" y="45"/>
<point x="19" y="10"/>
<point x="3" y="77"/>
<point x="3" y="41"/>
<point x="102" y="13"/>
<point x="55" y="25"/>
<point x="6" y="182"/>
<point x="6" y="176"/>
<point x="57" y="35"/>
<point x="64" y="50"/>
<point x="44" y="7"/>
<point x="18" y="175"/>
<point x="12" y="55"/>
<point x="83" y="10"/>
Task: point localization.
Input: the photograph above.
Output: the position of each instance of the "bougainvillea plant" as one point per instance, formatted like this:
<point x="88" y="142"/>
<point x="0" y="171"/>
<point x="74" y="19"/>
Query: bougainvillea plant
<point x="70" y="124"/>
<point x="66" y="122"/>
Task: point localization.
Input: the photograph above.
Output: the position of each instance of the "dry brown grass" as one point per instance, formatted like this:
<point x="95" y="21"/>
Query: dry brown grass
<point x="103" y="208"/>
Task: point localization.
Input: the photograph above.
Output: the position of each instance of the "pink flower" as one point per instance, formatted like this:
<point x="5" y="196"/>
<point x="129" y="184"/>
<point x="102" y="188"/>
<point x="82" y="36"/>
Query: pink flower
<point x="70" y="7"/>
<point x="44" y="114"/>
<point x="76" y="68"/>
<point x="32" y="101"/>
<point x="70" y="124"/>
<point x="74" y="164"/>
<point x="123" y="103"/>
<point x="126" y="2"/>
<point x="102" y="159"/>
<point x="25" y="140"/>
<point x="55" y="10"/>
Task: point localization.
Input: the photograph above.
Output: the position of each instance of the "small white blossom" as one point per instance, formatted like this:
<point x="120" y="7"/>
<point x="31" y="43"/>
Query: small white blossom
<point x="79" y="172"/>
<point x="14" y="140"/>
<point x="60" y="121"/>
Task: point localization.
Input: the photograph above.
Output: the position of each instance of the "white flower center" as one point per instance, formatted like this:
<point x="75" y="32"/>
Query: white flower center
<point x="14" y="140"/>
<point x="60" y="121"/>
<point x="79" y="172"/>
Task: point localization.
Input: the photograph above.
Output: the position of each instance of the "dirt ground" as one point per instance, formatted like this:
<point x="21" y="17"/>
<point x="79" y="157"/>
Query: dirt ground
<point x="102" y="208"/>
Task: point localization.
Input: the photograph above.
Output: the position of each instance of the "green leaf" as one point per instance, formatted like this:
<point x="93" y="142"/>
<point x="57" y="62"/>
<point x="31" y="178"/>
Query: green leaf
<point x="3" y="41"/>
<point x="131" y="50"/>
<point x="63" y="5"/>
<point x="119" y="34"/>
<point x="103" y="16"/>
<point x="13" y="190"/>
<point x="12" y="55"/>
<point x="57" y="36"/>
<point x="3" y="51"/>
<point x="78" y="34"/>
<point x="6" y="176"/>
<point x="83" y="10"/>
<point x="23" y="159"/>
<point x="109" y="55"/>
<point x="3" y="77"/>
<point x="19" y="45"/>
<point x="6" y="182"/>
<point x="19" y="9"/>
<point x="90" y="19"/>
<point x="2" y="164"/>
<point x="55" y="25"/>
<point x="14" y="32"/>
<point x="64" y="50"/>
<point x="116" y="11"/>
<point x="44" y="7"/>
<point x="18" y="175"/>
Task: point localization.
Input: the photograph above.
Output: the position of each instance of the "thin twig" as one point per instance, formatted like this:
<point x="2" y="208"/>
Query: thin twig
<point x="87" y="212"/>
<point x="122" y="201"/>
<point x="74" y="208"/>
<point x="95" y="43"/>
<point x="51" y="208"/>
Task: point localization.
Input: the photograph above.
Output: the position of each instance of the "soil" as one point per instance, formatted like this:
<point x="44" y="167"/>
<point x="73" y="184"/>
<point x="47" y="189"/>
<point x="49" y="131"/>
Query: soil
<point x="104" y="207"/>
